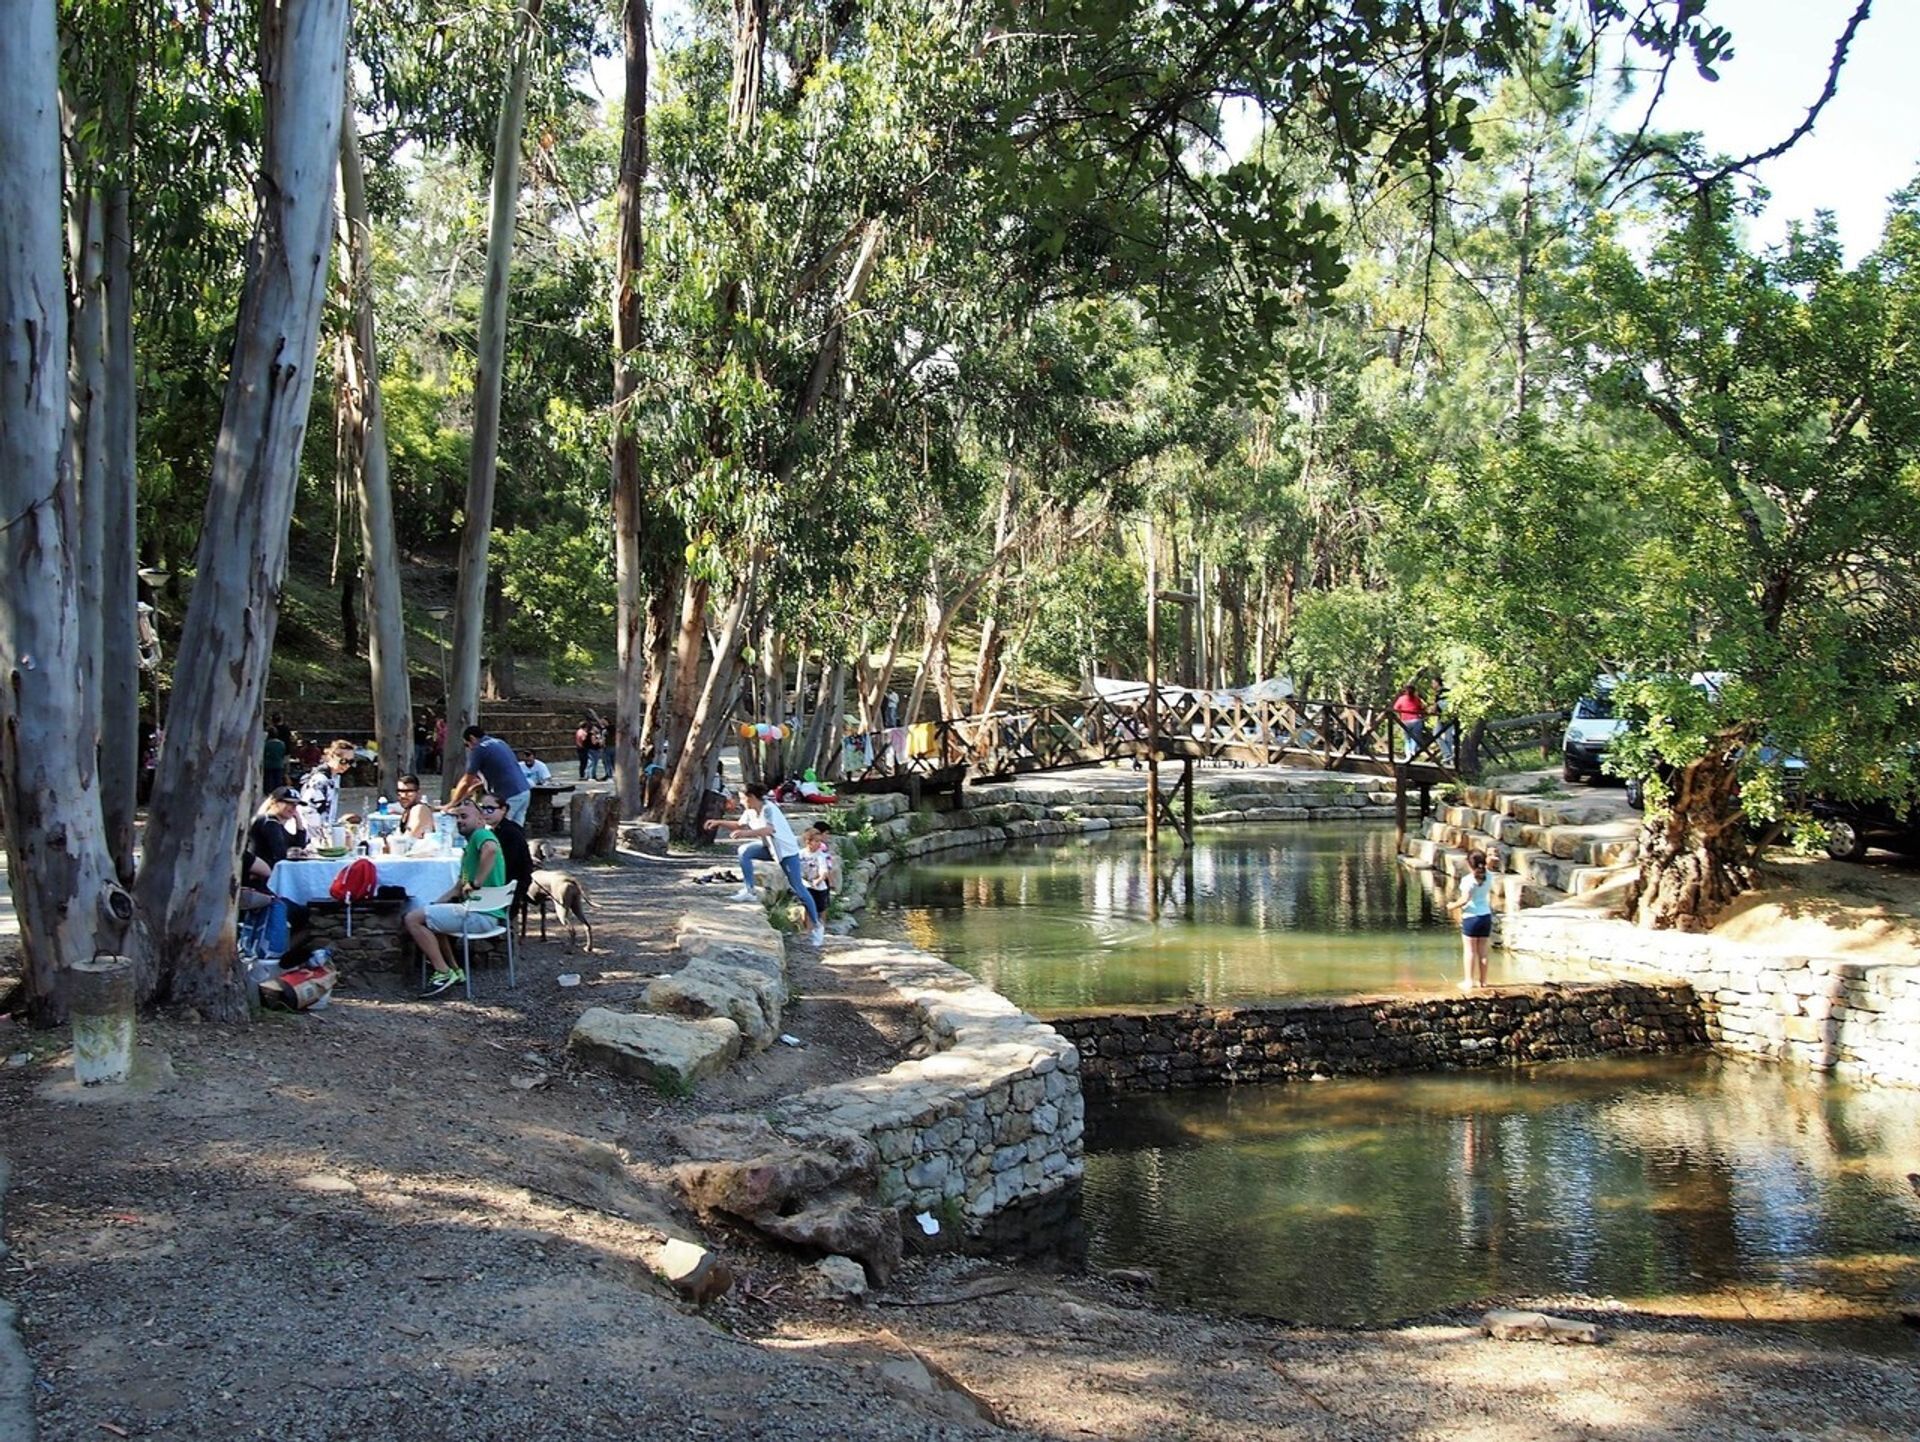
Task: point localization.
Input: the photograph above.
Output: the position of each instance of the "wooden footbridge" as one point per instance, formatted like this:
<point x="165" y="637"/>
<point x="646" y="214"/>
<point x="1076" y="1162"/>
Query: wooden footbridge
<point x="1191" y="726"/>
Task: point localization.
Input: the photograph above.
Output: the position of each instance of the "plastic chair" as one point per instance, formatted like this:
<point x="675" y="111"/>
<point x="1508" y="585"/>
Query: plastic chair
<point x="484" y="927"/>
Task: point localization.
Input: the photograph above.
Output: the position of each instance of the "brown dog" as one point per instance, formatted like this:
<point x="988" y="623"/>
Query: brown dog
<point x="566" y="896"/>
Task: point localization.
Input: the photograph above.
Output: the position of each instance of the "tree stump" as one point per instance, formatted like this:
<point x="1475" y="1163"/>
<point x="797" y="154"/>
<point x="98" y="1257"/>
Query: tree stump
<point x="100" y="1000"/>
<point x="596" y="825"/>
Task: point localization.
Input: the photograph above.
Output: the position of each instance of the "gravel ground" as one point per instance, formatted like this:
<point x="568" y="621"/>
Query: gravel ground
<point x="413" y="1220"/>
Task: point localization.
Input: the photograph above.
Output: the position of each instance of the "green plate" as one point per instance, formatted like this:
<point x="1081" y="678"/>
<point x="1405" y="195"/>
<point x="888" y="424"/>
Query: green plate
<point x="330" y="852"/>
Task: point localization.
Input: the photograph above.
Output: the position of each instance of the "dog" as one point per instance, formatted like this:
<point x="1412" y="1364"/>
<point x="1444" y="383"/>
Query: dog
<point x="566" y="896"/>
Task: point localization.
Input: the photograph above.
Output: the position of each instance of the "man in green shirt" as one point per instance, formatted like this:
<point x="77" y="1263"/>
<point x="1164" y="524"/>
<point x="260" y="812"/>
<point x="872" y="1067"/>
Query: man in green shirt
<point x="482" y="864"/>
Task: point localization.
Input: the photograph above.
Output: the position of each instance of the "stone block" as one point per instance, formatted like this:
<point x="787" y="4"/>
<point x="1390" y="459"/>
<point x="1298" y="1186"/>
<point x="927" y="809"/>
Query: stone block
<point x="671" y="1052"/>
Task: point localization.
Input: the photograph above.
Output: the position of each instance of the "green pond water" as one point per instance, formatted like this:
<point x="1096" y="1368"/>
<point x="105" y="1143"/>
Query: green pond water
<point x="1698" y="1184"/>
<point x="1691" y="1184"/>
<point x="1246" y="914"/>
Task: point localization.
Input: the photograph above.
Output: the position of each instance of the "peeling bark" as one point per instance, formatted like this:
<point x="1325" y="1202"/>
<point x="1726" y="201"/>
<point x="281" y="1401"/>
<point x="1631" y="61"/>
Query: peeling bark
<point x="188" y="874"/>
<point x="1694" y="856"/>
<point x="58" y="860"/>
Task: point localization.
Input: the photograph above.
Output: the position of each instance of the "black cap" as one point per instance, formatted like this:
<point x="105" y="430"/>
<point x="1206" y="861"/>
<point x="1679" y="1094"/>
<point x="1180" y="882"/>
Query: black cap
<point x="285" y="793"/>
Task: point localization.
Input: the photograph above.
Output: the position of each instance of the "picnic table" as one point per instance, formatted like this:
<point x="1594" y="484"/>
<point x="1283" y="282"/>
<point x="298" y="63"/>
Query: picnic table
<point x="371" y="933"/>
<point x="547" y="808"/>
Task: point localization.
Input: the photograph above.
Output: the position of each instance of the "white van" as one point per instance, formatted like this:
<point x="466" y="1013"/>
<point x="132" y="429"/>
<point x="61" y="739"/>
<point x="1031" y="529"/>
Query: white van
<point x="1589" y="732"/>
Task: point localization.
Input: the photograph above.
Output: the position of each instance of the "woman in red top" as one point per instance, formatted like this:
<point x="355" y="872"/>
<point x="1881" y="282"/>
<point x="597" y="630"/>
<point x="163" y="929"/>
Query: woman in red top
<point x="1412" y="713"/>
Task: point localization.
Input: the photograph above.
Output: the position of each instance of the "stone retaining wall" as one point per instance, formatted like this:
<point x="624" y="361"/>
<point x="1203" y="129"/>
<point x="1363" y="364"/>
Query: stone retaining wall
<point x="1218" y="1046"/>
<point x="1857" y="1019"/>
<point x="989" y="1121"/>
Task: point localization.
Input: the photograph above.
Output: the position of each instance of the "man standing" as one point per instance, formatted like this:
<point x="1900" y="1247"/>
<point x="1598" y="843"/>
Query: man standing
<point x="273" y="762"/>
<point x="482" y="864"/>
<point x="492" y="766"/>
<point x="765" y="826"/>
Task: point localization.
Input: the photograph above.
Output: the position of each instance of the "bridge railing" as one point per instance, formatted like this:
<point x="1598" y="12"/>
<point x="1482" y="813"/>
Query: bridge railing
<point x="1333" y="735"/>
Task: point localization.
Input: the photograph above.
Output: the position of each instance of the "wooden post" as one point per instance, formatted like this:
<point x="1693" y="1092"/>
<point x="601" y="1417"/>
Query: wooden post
<point x="100" y="998"/>
<point x="1153" y="700"/>
<point x="1400" y="804"/>
<point x="1186" y="799"/>
<point x="596" y="824"/>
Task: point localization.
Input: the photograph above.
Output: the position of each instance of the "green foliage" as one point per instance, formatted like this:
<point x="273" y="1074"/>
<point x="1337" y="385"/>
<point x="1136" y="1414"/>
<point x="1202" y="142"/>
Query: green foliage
<point x="558" y="584"/>
<point x="1355" y="644"/>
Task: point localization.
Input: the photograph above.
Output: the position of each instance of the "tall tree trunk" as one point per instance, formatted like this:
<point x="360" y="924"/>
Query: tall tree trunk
<point x="58" y="865"/>
<point x="659" y="647"/>
<point x="188" y="874"/>
<point x="87" y="409"/>
<point x="875" y="680"/>
<point x="386" y="624"/>
<point x="822" y="746"/>
<point x="119" y="626"/>
<point x="470" y="588"/>
<point x="1694" y="855"/>
<point x="693" y="765"/>
<point x="689" y="643"/>
<point x="632" y="708"/>
<point x="501" y="683"/>
<point x="985" y="664"/>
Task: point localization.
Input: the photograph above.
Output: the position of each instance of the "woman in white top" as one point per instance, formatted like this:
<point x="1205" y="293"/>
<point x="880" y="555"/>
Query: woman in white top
<point x="1476" y="919"/>
<point x="770" y="838"/>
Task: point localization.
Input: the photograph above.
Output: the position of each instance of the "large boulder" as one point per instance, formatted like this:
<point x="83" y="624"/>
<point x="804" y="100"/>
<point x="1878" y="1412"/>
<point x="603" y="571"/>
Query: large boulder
<point x="669" y="1051"/>
<point x="750" y="999"/>
<point x="746" y="1169"/>
<point x="845" y="1226"/>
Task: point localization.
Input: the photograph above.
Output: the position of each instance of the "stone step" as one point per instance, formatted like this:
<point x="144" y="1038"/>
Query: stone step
<point x="1583" y="879"/>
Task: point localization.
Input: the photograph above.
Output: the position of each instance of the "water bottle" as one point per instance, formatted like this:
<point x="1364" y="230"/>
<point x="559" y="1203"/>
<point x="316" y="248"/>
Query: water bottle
<point x="448" y="830"/>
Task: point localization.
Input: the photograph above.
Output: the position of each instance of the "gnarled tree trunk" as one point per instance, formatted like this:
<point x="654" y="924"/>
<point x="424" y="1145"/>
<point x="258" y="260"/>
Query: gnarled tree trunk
<point x="189" y="871"/>
<point x="1694" y="854"/>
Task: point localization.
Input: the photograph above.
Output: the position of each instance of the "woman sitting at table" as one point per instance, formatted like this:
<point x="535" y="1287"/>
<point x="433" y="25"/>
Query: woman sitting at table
<point x="276" y="835"/>
<point x="416" y="817"/>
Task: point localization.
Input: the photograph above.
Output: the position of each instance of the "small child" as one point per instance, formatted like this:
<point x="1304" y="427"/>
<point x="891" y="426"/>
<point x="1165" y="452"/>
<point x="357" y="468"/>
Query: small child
<point x="819" y="867"/>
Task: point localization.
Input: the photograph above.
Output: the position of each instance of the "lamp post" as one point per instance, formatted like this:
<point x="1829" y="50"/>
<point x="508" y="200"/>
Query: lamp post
<point x="439" y="615"/>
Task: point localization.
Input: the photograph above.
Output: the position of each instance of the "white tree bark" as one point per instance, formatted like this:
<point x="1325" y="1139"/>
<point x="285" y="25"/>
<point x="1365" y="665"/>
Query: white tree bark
<point x="187" y="875"/>
<point x="58" y="865"/>
<point x="470" y="589"/>
<point x="386" y="623"/>
<point x="629" y="702"/>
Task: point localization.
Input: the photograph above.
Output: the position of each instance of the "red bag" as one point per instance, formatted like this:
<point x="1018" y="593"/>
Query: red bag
<point x="357" y="882"/>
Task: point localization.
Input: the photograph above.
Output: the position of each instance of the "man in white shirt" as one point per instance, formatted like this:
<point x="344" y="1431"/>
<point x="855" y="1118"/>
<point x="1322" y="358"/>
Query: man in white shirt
<point x="770" y="838"/>
<point x="537" y="771"/>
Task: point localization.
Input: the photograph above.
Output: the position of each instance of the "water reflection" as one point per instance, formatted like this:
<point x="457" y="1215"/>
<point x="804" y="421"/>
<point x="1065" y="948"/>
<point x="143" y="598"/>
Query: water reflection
<point x="1736" y="1187"/>
<point x="1245" y="914"/>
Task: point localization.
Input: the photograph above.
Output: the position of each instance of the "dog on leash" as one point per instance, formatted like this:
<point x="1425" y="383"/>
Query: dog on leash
<point x="566" y="896"/>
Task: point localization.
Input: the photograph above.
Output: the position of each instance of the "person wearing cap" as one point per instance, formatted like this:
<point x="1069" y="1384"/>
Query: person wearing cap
<point x="275" y="835"/>
<point x="538" y="772"/>
<point x="492" y="766"/>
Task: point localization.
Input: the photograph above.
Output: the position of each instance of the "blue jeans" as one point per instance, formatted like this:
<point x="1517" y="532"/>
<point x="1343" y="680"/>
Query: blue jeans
<point x="789" y="867"/>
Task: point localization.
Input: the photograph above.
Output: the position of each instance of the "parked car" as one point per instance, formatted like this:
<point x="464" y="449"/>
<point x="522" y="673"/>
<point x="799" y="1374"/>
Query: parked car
<point x="1590" y="731"/>
<point x="1853" y="826"/>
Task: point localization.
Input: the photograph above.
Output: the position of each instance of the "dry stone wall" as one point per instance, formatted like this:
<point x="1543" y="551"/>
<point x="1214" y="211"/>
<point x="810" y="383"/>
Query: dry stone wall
<point x="1220" y="1046"/>
<point x="990" y="1120"/>
<point x="1857" y="1019"/>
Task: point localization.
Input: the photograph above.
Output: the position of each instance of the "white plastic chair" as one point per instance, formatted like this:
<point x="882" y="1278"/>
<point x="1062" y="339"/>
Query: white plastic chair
<point x="481" y="926"/>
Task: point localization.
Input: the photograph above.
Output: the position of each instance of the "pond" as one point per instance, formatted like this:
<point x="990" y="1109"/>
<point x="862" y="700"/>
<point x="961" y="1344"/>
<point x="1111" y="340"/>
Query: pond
<point x="1246" y="914"/>
<point x="1711" y="1186"/>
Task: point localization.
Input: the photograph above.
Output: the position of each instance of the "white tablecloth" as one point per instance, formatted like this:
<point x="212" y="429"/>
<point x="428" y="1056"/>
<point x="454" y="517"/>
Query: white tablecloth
<point x="427" y="878"/>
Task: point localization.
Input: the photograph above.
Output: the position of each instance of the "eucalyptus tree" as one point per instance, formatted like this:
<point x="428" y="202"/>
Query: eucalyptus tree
<point x="61" y="868"/>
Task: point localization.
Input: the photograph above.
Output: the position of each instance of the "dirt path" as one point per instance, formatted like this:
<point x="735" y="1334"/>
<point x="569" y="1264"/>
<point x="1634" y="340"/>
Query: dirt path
<point x="417" y="1220"/>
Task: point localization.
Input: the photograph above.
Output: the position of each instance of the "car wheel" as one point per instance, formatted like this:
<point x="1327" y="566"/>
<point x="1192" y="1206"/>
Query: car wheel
<point x="1568" y="771"/>
<point x="1636" y="793"/>
<point x="1844" y="841"/>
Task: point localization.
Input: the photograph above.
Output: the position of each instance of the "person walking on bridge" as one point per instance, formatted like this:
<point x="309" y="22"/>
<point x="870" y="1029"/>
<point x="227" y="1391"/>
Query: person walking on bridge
<point x="1412" y="714"/>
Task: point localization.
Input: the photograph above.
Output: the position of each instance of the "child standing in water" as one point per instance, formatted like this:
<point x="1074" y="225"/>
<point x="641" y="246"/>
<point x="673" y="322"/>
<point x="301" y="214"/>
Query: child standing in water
<point x="1476" y="919"/>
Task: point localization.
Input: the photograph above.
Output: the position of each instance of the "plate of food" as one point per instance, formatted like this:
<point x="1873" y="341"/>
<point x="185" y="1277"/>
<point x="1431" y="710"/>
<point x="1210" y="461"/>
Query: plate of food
<point x="330" y="853"/>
